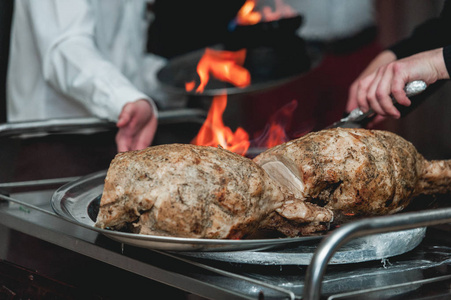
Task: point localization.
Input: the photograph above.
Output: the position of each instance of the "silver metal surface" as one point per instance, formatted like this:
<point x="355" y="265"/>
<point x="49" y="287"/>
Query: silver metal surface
<point x="347" y="232"/>
<point x="37" y="220"/>
<point x="55" y="126"/>
<point x="398" y="277"/>
<point x="367" y="248"/>
<point x="357" y="115"/>
<point x="73" y="201"/>
<point x="36" y="183"/>
<point x="80" y="125"/>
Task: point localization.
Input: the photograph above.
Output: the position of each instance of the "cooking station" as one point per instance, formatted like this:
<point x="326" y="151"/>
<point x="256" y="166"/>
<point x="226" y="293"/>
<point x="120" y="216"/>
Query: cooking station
<point x="47" y="253"/>
<point x="418" y="274"/>
<point x="43" y="253"/>
<point x="49" y="248"/>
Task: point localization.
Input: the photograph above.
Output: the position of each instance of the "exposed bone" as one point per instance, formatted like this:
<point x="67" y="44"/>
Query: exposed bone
<point x="284" y="173"/>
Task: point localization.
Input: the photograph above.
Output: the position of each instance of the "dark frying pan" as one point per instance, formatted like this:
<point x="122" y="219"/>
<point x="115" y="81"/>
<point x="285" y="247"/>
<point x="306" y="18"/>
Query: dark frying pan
<point x="275" y="55"/>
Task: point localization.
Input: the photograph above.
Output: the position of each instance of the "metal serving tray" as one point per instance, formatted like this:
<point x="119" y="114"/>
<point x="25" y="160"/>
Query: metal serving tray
<point x="368" y="248"/>
<point x="78" y="202"/>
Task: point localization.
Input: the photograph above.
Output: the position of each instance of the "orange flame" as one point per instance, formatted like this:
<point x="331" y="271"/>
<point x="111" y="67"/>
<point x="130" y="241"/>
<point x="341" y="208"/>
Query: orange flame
<point x="249" y="15"/>
<point x="214" y="133"/>
<point x="223" y="65"/>
<point x="246" y="15"/>
<point x="227" y="66"/>
<point x="275" y="132"/>
<point x="189" y="86"/>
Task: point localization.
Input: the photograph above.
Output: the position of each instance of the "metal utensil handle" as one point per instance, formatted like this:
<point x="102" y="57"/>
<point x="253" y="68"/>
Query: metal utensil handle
<point x="412" y="88"/>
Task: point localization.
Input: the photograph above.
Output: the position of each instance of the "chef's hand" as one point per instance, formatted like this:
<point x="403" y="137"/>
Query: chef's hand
<point x="384" y="58"/>
<point x="374" y="89"/>
<point x="137" y="126"/>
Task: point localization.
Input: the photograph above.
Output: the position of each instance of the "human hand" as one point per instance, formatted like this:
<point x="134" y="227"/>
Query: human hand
<point x="382" y="59"/>
<point x="374" y="90"/>
<point x="137" y="126"/>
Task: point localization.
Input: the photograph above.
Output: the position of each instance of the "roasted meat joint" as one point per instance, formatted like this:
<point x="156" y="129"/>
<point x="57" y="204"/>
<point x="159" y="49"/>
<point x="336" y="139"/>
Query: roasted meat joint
<point x="297" y="188"/>
<point x="200" y="192"/>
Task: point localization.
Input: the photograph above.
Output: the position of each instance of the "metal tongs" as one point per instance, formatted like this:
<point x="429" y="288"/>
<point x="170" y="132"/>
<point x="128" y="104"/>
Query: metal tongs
<point x="358" y="117"/>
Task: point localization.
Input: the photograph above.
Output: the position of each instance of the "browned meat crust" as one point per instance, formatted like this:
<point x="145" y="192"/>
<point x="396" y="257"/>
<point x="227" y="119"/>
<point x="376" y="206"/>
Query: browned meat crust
<point x="355" y="172"/>
<point x="190" y="191"/>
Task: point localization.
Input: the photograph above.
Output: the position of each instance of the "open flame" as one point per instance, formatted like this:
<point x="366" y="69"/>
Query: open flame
<point x="223" y="65"/>
<point x="227" y="66"/>
<point x="214" y="133"/>
<point x="251" y="14"/>
<point x="275" y="131"/>
<point x="247" y="14"/>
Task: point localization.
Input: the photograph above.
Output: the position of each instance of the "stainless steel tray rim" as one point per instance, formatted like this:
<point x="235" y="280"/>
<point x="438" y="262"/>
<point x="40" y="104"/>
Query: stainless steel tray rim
<point x="72" y="201"/>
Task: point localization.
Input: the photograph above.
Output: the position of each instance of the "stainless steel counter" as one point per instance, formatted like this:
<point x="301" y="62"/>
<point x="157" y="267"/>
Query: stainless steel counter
<point x="36" y="238"/>
<point x="190" y="276"/>
<point x="84" y="264"/>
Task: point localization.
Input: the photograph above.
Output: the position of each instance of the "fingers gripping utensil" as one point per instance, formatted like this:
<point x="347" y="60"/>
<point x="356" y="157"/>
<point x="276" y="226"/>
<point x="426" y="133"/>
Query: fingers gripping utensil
<point x="358" y="117"/>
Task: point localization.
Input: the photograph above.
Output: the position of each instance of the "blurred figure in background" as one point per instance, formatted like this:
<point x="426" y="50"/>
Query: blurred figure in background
<point x="81" y="59"/>
<point x="96" y="58"/>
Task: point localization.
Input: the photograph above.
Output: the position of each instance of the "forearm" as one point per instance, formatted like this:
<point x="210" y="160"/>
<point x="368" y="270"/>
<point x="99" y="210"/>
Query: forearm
<point x="383" y="58"/>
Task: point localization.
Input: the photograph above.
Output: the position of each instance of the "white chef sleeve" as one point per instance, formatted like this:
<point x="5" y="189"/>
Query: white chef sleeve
<point x="64" y="31"/>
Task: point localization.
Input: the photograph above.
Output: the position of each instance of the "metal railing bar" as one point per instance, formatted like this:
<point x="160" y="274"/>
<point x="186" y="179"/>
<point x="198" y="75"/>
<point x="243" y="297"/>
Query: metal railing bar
<point x="74" y="125"/>
<point x="406" y="284"/>
<point x="330" y="244"/>
<point x="40" y="182"/>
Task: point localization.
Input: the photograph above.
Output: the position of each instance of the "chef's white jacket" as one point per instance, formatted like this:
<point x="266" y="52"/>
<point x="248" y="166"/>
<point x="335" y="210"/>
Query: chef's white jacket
<point x="76" y="58"/>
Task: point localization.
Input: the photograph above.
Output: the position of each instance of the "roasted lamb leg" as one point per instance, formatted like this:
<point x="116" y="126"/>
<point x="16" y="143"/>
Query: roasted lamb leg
<point x="200" y="192"/>
<point x="355" y="172"/>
